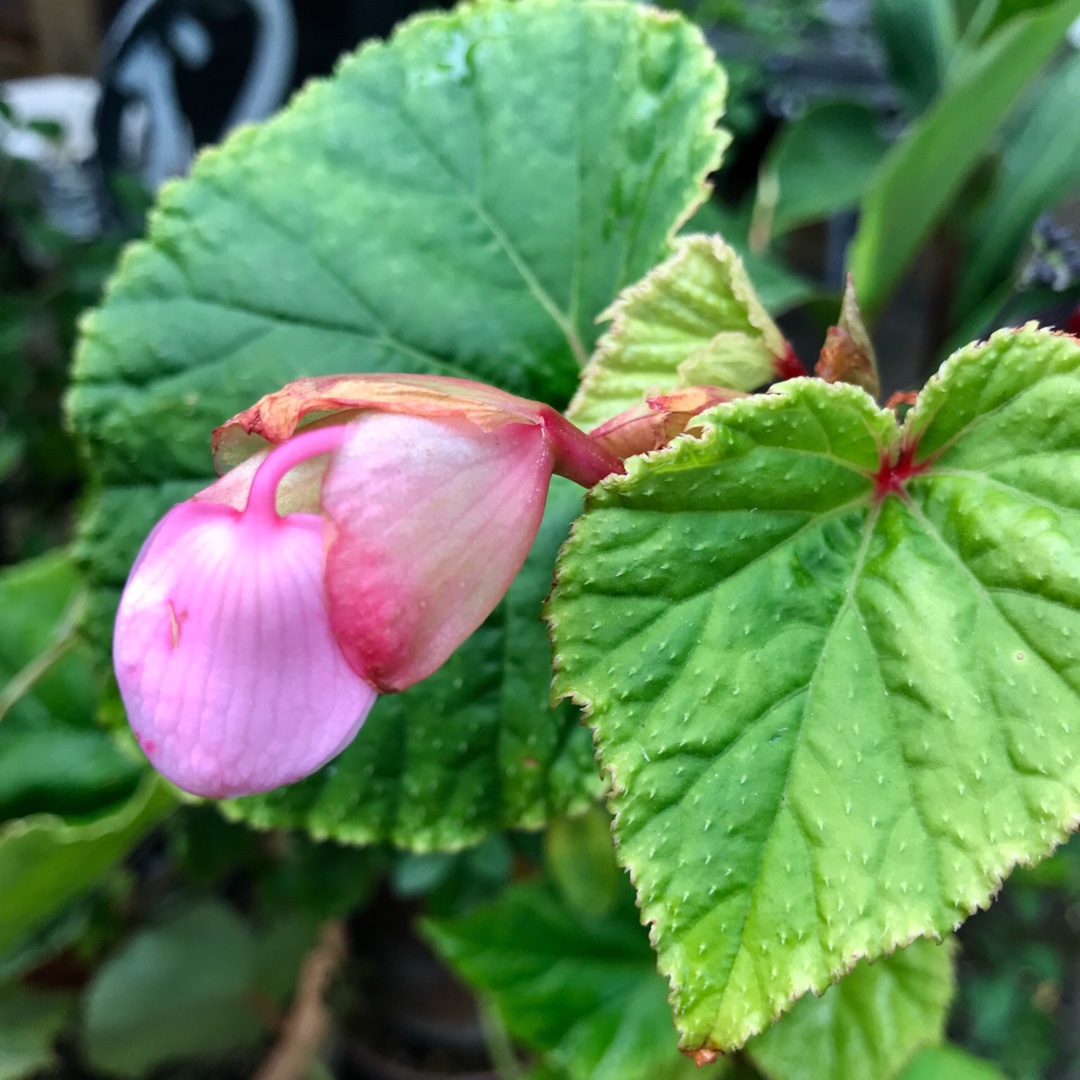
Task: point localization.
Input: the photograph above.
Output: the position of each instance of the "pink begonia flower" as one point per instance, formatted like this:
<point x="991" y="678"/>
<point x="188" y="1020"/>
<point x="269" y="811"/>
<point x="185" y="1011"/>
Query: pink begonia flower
<point x="333" y="562"/>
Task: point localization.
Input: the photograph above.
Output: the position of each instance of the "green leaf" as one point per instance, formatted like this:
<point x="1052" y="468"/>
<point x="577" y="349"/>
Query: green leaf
<point x="188" y="988"/>
<point x="577" y="853"/>
<point x="11" y="453"/>
<point x="693" y="320"/>
<point x="474" y="749"/>
<point x="545" y="1071"/>
<point x="62" y="772"/>
<point x="866" y="1027"/>
<point x="920" y="176"/>
<point x="29" y="1023"/>
<point x="580" y="989"/>
<point x="1037" y="169"/>
<point x="836" y="702"/>
<point x="321" y="880"/>
<point x="778" y="287"/>
<point x="280" y="949"/>
<point x="35" y="596"/>
<point x="949" y="1063"/>
<point x="473" y="193"/>
<point x="53" y="757"/>
<point x="819" y="165"/>
<point x="47" y="861"/>
<point x="453" y="882"/>
<point x="919" y="37"/>
<point x="1004" y="10"/>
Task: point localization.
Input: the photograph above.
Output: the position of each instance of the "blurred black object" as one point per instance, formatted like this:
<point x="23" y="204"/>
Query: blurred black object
<point x="177" y="75"/>
<point x="1054" y="262"/>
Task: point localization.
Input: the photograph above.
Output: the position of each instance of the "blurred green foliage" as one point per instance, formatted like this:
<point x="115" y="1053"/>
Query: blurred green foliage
<point x="764" y="28"/>
<point x="47" y="279"/>
<point x="1019" y="999"/>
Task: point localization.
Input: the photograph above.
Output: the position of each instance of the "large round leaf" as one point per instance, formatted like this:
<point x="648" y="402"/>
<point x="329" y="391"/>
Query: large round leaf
<point x="463" y="200"/>
<point x="833" y="669"/>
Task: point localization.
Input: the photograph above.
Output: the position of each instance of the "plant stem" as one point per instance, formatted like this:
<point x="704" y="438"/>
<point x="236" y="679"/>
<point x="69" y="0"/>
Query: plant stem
<point x="28" y="677"/>
<point x="262" y="498"/>
<point x="500" y="1048"/>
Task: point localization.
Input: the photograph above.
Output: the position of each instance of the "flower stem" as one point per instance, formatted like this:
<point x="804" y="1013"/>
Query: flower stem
<point x="262" y="498"/>
<point x="63" y="641"/>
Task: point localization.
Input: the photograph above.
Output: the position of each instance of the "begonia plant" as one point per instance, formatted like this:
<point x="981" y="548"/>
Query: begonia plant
<point x="823" y="649"/>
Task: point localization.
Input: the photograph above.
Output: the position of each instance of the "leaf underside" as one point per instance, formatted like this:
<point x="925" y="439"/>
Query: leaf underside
<point x="834" y="710"/>
<point x="693" y="320"/>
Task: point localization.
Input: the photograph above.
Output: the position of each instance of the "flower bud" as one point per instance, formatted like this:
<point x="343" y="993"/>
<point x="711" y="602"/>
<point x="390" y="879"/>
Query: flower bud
<point x="333" y="562"/>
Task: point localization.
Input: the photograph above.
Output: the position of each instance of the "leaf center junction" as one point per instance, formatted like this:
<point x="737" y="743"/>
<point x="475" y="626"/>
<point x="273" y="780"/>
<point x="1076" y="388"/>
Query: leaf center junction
<point x="892" y="475"/>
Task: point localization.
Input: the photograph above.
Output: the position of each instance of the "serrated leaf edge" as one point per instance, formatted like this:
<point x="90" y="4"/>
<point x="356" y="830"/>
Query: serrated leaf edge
<point x="622" y="310"/>
<point x="775" y="398"/>
<point x="208" y="159"/>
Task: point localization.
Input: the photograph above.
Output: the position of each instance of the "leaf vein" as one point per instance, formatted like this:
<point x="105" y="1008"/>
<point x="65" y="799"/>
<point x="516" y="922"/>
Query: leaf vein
<point x="498" y="234"/>
<point x="982" y="417"/>
<point x="985" y="478"/>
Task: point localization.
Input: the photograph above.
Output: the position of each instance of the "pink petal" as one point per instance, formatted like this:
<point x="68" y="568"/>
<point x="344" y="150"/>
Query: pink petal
<point x="432" y="519"/>
<point x="231" y="675"/>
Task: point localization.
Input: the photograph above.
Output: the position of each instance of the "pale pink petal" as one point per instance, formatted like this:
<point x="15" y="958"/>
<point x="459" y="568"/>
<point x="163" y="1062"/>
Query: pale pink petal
<point x="231" y="675"/>
<point x="431" y="521"/>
